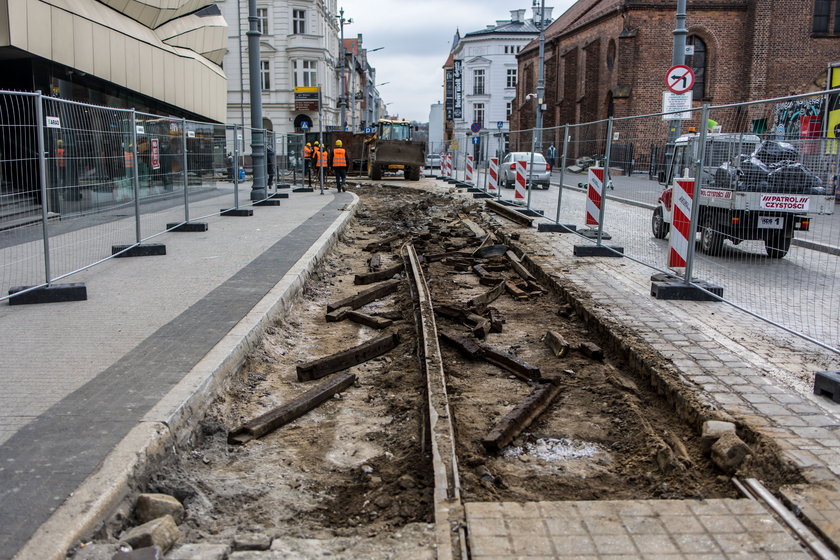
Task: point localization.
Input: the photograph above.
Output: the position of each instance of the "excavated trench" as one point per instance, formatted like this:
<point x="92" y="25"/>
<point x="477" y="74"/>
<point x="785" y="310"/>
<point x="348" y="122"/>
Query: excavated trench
<point x="353" y="476"/>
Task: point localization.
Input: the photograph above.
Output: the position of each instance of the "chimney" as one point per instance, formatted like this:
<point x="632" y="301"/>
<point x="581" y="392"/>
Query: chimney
<point x="517" y="16"/>
<point x="501" y="22"/>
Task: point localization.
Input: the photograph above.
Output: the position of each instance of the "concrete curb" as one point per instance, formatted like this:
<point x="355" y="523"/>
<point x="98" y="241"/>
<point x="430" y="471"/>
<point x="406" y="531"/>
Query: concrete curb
<point x="171" y="420"/>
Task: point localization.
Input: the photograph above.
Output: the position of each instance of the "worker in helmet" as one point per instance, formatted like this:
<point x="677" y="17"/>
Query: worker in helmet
<point x="339" y="166"/>
<point x="307" y="161"/>
<point x="320" y="156"/>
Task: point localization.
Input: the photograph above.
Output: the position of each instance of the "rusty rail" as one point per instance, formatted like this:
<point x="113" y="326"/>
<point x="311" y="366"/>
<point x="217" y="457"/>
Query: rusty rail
<point x="450" y="522"/>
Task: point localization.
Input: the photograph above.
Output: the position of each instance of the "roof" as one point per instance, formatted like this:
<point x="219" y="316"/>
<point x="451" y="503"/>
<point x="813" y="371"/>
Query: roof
<point x="526" y="27"/>
<point x="578" y="15"/>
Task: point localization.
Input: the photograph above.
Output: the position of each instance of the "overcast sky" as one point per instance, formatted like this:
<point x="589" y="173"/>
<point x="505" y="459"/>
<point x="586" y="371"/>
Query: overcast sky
<point x="417" y="36"/>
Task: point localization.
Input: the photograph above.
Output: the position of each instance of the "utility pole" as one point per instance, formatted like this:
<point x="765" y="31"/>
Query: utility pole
<point x="342" y="99"/>
<point x="258" y="190"/>
<point x="678" y="57"/>
<point x="541" y="79"/>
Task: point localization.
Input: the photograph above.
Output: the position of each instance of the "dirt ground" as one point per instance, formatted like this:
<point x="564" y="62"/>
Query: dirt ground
<point x="352" y="478"/>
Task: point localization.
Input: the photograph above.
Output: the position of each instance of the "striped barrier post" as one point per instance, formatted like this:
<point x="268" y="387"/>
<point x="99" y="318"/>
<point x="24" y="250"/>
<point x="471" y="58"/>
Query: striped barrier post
<point x="449" y="165"/>
<point x="594" y="196"/>
<point x="520" y="191"/>
<point x="681" y="222"/>
<point x="468" y="178"/>
<point x="442" y="168"/>
<point x="494" y="174"/>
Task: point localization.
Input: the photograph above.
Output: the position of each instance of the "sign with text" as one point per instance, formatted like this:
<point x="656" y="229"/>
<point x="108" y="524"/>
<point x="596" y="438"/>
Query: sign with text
<point x="306" y="99"/>
<point x="450" y="94"/>
<point x="155" y="153"/>
<point x="784" y="202"/>
<point x="678" y="104"/>
<point x="458" y="84"/>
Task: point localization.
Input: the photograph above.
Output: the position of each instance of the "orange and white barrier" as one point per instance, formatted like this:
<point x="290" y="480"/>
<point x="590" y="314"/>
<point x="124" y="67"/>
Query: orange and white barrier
<point x="493" y="183"/>
<point x="681" y="222"/>
<point x="594" y="195"/>
<point x="520" y="191"/>
<point x="469" y="173"/>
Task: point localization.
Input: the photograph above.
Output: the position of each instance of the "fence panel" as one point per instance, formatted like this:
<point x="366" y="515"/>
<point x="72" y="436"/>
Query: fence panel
<point x="89" y="170"/>
<point x="21" y="231"/>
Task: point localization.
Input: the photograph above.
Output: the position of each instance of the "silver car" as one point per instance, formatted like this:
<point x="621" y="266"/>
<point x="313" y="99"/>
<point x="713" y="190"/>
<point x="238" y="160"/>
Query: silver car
<point x="540" y="176"/>
<point x="433" y="160"/>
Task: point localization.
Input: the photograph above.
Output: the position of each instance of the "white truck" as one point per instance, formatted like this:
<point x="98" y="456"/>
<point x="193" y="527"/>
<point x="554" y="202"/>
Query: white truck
<point x="749" y="190"/>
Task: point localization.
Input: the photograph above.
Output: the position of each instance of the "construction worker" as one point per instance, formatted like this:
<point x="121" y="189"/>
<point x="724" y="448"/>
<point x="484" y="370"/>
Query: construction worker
<point x="339" y="166"/>
<point x="321" y="158"/>
<point x="307" y="161"/>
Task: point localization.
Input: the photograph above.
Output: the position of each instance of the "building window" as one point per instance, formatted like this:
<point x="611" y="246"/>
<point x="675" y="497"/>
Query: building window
<point x="508" y="109"/>
<point x="697" y="62"/>
<point x="478" y="113"/>
<point x="478" y="82"/>
<point x="298" y="22"/>
<point x="305" y="73"/>
<point x="511" y="78"/>
<point x="262" y="21"/>
<point x="823" y="12"/>
<point x="265" y="75"/>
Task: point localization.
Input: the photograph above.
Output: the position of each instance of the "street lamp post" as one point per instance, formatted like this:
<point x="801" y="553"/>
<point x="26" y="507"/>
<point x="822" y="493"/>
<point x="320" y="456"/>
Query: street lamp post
<point x="258" y="190"/>
<point x="678" y="57"/>
<point x="342" y="99"/>
<point x="540" y="80"/>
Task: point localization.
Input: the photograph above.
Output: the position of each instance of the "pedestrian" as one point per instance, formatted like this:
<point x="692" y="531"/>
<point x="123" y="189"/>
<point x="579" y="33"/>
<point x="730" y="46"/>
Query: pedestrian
<point x="321" y="157"/>
<point x="269" y="166"/>
<point x="551" y="155"/>
<point x="308" y="155"/>
<point x="339" y="166"/>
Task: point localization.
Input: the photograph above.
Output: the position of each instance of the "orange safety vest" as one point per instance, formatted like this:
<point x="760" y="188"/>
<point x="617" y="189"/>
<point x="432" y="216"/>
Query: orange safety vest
<point x="321" y="158"/>
<point x="59" y="155"/>
<point x="339" y="158"/>
<point x="129" y="159"/>
<point x="307" y="151"/>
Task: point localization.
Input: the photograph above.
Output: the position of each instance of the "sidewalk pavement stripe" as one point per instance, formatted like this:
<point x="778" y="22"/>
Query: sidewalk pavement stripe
<point x="48" y="458"/>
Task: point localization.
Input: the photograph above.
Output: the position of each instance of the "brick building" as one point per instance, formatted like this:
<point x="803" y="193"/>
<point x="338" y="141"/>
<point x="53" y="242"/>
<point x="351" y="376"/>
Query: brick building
<point x="609" y="57"/>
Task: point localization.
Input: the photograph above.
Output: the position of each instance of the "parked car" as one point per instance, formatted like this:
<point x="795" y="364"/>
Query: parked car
<point x="433" y="160"/>
<point x="540" y="175"/>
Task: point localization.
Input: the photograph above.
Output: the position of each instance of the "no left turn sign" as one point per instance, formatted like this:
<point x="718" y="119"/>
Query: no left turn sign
<point x="680" y="78"/>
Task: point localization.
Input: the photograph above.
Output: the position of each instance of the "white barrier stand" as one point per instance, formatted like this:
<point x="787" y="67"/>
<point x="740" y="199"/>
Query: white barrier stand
<point x="681" y="223"/>
<point x="520" y="191"/>
<point x="494" y="175"/>
<point x="469" y="173"/>
<point x="594" y="195"/>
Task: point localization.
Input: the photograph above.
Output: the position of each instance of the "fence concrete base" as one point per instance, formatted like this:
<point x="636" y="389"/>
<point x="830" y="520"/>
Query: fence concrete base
<point x="267" y="202"/>
<point x="284" y="186"/>
<point x="49" y="294"/>
<point x="303" y="189"/>
<point x="279" y="195"/>
<point x="144" y="250"/>
<point x="676" y="288"/>
<point x="236" y="212"/>
<point x="190" y="227"/>
<point x="827" y="384"/>
<point x="482" y="195"/>
<point x="598" y="251"/>
<point x="557" y="228"/>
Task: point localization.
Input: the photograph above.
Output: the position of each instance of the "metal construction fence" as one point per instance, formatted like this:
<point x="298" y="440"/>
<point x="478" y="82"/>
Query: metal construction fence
<point x="739" y="207"/>
<point x="78" y="180"/>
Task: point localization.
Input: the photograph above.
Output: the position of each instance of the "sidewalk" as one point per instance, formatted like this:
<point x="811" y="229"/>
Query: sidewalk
<point x="79" y="378"/>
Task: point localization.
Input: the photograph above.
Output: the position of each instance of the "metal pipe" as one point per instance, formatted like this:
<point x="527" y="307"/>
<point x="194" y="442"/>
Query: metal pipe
<point x="235" y="171"/>
<point x="562" y="170"/>
<point x="541" y="80"/>
<point x="606" y="181"/>
<point x="695" y="203"/>
<point x="321" y="137"/>
<point x="184" y="171"/>
<point x="135" y="176"/>
<point x="42" y="180"/>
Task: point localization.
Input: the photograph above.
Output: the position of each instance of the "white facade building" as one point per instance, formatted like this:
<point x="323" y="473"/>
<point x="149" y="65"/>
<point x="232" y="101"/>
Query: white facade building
<point x="489" y="74"/>
<point x="298" y="48"/>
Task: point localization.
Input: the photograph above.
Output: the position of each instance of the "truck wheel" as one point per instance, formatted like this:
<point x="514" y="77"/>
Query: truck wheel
<point x="375" y="172"/>
<point x="658" y="224"/>
<point x="777" y="246"/>
<point x="412" y="173"/>
<point x="711" y="240"/>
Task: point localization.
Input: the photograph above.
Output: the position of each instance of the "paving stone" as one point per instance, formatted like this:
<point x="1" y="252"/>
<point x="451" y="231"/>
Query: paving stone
<point x="728" y="452"/>
<point x="152" y="506"/>
<point x="161" y="532"/>
<point x="199" y="552"/>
